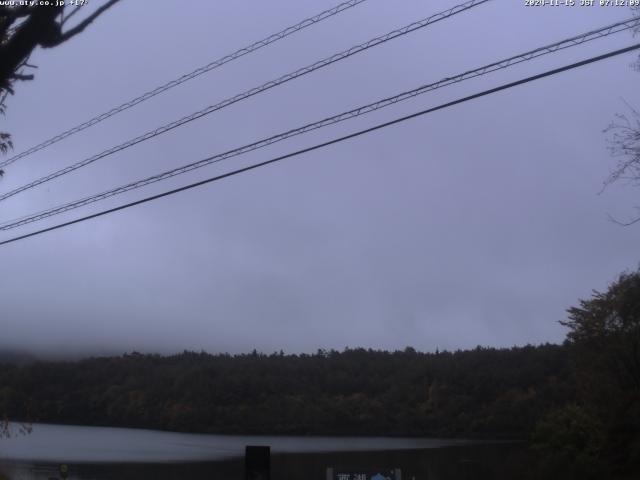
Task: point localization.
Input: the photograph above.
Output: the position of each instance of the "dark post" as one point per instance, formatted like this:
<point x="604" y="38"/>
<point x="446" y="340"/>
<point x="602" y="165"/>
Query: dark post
<point x="257" y="463"/>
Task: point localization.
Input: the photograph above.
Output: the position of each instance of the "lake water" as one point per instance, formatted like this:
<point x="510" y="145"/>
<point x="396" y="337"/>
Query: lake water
<point x="101" y="453"/>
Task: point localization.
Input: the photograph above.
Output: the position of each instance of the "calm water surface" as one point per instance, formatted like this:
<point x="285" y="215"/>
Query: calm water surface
<point x="100" y="453"/>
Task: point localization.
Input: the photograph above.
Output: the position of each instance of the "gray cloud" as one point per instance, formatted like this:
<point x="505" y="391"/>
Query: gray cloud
<point x="479" y="224"/>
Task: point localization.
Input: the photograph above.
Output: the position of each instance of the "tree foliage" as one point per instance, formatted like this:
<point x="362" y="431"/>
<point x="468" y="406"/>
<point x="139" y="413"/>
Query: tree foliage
<point x="485" y="391"/>
<point x="570" y="441"/>
<point x="605" y="331"/>
<point x="603" y="422"/>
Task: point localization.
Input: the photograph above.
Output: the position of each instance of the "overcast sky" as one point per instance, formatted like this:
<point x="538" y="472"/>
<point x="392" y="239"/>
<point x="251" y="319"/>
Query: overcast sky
<point x="478" y="224"/>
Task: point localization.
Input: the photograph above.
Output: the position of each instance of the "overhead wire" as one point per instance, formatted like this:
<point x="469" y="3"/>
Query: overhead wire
<point x="251" y="92"/>
<point x="362" y="110"/>
<point x="186" y="77"/>
<point x="331" y="142"/>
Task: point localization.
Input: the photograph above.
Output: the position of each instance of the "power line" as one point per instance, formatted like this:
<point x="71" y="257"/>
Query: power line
<point x="499" y="65"/>
<point x="189" y="76"/>
<point x="249" y="93"/>
<point x="331" y="142"/>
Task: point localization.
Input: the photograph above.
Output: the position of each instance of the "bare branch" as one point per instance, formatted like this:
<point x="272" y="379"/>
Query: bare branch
<point x="623" y="224"/>
<point x="71" y="14"/>
<point x="624" y="141"/>
<point x="82" y="25"/>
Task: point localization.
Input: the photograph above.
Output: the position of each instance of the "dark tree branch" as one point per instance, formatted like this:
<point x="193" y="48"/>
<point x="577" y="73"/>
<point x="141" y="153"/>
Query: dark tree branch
<point x="82" y="25"/>
<point x="66" y="18"/>
<point x="20" y="76"/>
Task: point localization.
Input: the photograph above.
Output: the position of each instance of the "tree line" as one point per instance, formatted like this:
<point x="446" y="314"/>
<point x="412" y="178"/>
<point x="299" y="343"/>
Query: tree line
<point x="484" y="391"/>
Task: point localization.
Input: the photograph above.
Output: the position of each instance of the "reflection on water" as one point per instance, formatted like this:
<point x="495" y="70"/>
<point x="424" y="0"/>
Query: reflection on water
<point x="105" y="453"/>
<point x="71" y="444"/>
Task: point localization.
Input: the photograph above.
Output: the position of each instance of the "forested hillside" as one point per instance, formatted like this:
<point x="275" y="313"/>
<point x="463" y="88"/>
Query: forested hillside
<point x="486" y="391"/>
